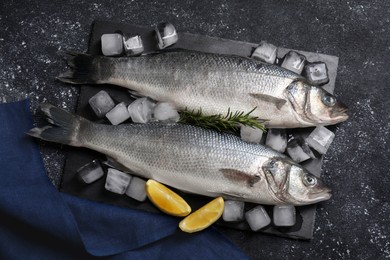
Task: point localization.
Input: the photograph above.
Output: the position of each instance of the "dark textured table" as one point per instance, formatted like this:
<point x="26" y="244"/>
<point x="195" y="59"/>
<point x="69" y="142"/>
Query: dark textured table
<point x="354" y="224"/>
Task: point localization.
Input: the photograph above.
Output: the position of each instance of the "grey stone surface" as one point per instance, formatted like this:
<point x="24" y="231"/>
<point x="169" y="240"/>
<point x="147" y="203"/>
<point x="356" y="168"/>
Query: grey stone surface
<point x="354" y="223"/>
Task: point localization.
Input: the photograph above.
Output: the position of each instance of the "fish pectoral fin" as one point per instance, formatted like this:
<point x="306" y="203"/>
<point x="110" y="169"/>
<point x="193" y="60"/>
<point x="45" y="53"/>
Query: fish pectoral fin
<point x="240" y="176"/>
<point x="278" y="102"/>
<point x="111" y="162"/>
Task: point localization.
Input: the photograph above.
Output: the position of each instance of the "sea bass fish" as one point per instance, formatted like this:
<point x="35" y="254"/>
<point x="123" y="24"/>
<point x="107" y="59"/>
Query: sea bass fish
<point x="214" y="83"/>
<point x="191" y="159"/>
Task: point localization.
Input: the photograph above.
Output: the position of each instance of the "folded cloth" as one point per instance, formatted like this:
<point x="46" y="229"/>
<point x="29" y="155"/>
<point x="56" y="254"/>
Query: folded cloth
<point x="37" y="221"/>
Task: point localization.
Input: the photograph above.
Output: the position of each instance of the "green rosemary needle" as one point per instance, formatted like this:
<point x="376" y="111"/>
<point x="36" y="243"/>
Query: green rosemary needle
<point x="230" y="123"/>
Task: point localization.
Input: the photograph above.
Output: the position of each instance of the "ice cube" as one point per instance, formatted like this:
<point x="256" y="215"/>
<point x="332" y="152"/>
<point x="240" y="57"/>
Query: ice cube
<point x="117" y="181"/>
<point x="166" y="35"/>
<point x="118" y="114"/>
<point x="284" y="215"/>
<point x="112" y="44"/>
<point x="257" y="218"/>
<point x="317" y="73"/>
<point x="132" y="45"/>
<point x="250" y="134"/>
<point x="141" y="110"/>
<point x="296" y="152"/>
<point x="276" y="139"/>
<point x="306" y="148"/>
<point x="90" y="172"/>
<point x="136" y="189"/>
<point x="294" y="61"/>
<point x="101" y="103"/>
<point x="166" y="112"/>
<point x="265" y="52"/>
<point x="320" y="139"/>
<point x="233" y="211"/>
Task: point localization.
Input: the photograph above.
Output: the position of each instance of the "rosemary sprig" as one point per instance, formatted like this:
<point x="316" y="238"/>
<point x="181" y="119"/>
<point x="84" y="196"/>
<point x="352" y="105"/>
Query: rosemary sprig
<point x="230" y="123"/>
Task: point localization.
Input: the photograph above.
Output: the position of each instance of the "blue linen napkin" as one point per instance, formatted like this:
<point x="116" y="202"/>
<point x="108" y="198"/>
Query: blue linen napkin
<point x="37" y="221"/>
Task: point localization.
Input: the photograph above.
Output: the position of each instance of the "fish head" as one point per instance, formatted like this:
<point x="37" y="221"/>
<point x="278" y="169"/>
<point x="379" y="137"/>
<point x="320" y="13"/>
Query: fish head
<point x="291" y="184"/>
<point x="315" y="106"/>
<point x="306" y="188"/>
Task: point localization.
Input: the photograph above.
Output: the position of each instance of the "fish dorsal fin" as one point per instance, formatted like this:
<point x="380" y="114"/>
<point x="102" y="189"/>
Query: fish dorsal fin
<point x="135" y="94"/>
<point x="240" y="176"/>
<point x="278" y="102"/>
<point x="171" y="50"/>
<point x="116" y="165"/>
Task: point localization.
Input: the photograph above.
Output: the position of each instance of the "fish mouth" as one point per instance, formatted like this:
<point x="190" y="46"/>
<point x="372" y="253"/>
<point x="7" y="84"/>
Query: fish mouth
<point x="340" y="115"/>
<point x="320" y="196"/>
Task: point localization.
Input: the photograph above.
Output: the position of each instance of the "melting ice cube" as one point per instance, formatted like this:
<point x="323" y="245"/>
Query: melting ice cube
<point x="320" y="139"/>
<point x="276" y="139"/>
<point x="233" y="211"/>
<point x="141" y="110"/>
<point x="317" y="73"/>
<point x="166" y="35"/>
<point x="265" y="52"/>
<point x="250" y="134"/>
<point x="133" y="45"/>
<point x="284" y="216"/>
<point x="166" y="112"/>
<point x="118" y="114"/>
<point x="294" y="61"/>
<point x="101" y="103"/>
<point x="112" y="44"/>
<point x="91" y="172"/>
<point x="257" y="218"/>
<point x="306" y="148"/>
<point x="296" y="152"/>
<point x="117" y="181"/>
<point x="136" y="189"/>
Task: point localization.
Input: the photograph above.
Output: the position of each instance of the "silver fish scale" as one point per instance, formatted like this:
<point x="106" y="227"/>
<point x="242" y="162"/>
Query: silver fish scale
<point x="210" y="81"/>
<point x="165" y="65"/>
<point x="182" y="156"/>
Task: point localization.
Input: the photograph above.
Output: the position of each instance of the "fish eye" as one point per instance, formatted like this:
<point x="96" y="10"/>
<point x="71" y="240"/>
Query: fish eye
<point x="309" y="180"/>
<point x="328" y="100"/>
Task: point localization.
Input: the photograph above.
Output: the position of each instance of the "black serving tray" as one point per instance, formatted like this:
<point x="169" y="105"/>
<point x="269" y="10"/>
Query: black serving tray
<point x="77" y="157"/>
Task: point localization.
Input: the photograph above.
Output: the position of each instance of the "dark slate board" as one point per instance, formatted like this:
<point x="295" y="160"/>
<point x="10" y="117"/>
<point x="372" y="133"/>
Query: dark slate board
<point x="79" y="156"/>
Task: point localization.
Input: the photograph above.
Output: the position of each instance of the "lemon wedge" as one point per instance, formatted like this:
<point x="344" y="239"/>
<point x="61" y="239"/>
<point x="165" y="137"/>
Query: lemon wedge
<point x="166" y="200"/>
<point x="203" y="217"/>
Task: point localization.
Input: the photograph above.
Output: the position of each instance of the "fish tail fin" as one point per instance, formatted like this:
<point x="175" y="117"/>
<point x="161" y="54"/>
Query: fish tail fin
<point x="64" y="129"/>
<point x="85" y="68"/>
